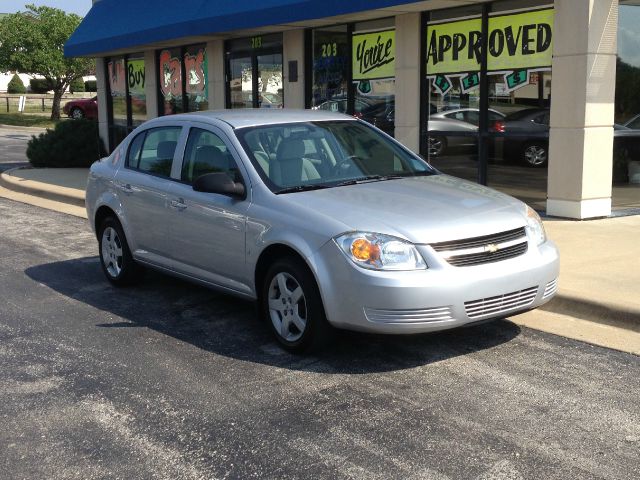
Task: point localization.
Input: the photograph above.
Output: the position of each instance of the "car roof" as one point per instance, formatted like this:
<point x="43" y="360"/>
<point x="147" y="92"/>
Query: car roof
<point x="250" y="117"/>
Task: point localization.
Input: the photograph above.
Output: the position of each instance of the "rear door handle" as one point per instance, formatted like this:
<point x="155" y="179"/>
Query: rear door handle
<point x="178" y="204"/>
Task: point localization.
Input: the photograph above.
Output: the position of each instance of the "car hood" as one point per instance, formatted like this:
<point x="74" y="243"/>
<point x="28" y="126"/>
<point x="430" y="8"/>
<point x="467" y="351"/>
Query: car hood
<point x="419" y="209"/>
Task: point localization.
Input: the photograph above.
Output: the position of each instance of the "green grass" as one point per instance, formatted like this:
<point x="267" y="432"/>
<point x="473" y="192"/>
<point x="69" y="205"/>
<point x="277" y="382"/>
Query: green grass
<point x="26" y="120"/>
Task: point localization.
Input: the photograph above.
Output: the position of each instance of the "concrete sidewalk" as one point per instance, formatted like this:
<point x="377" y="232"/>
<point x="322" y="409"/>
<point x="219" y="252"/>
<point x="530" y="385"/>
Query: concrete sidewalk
<point x="598" y="297"/>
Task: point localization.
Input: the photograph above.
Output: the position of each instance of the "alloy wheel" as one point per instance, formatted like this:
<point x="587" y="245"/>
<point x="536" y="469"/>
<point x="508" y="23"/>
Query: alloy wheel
<point x="287" y="307"/>
<point x="111" y="252"/>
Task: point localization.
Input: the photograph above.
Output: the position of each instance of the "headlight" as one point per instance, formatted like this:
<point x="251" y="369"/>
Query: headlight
<point x="535" y="226"/>
<point x="380" y="252"/>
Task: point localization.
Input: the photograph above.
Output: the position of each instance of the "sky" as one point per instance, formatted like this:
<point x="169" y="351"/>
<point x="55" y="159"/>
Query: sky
<point x="79" y="7"/>
<point x="628" y="35"/>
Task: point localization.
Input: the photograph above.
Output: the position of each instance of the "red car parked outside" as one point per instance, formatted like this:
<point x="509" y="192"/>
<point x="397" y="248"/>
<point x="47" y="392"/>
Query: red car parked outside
<point x="82" y="108"/>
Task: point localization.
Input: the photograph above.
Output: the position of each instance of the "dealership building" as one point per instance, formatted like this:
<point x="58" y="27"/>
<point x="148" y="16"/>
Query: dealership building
<point x="536" y="98"/>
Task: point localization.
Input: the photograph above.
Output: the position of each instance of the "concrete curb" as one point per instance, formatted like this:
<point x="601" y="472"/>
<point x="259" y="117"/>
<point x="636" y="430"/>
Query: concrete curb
<point x="56" y="193"/>
<point x="626" y="317"/>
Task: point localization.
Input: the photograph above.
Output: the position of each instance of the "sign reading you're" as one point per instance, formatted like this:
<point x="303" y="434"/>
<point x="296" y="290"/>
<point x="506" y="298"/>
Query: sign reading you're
<point x="374" y="55"/>
<point x="516" y="41"/>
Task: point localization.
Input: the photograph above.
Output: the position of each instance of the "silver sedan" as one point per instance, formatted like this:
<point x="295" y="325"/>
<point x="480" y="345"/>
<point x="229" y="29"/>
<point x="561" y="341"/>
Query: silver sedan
<point x="321" y="218"/>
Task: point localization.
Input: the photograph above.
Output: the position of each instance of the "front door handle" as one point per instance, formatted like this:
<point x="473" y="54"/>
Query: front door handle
<point x="126" y="188"/>
<point x="178" y="204"/>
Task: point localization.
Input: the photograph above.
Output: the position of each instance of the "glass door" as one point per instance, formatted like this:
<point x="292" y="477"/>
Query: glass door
<point x="240" y="82"/>
<point x="270" y="85"/>
<point x="254" y="72"/>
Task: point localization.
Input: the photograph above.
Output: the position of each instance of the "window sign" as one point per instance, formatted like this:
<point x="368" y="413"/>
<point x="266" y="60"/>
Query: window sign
<point x="518" y="43"/>
<point x="374" y="55"/>
<point x="195" y="63"/>
<point x="170" y="75"/>
<point x="135" y="76"/>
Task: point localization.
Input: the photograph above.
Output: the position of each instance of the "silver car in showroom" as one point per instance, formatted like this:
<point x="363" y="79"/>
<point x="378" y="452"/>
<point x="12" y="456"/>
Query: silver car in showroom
<point x="321" y="218"/>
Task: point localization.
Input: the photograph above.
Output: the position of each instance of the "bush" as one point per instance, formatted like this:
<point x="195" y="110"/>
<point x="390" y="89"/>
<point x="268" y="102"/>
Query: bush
<point x="77" y="86"/>
<point x="15" y="85"/>
<point x="90" y="86"/>
<point x="71" y="144"/>
<point x="40" y="85"/>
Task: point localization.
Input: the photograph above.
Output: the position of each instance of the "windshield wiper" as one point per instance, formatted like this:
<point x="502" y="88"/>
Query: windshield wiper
<point x="368" y="179"/>
<point x="301" y="188"/>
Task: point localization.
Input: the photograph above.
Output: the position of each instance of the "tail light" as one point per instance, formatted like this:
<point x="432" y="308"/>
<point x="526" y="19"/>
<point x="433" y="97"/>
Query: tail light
<point x="498" y="126"/>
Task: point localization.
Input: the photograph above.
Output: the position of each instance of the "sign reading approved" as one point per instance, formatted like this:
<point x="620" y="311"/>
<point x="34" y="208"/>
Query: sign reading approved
<point x="516" y="41"/>
<point x="374" y="55"/>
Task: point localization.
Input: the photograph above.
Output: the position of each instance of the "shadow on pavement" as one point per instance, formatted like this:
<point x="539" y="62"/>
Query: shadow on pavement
<point x="228" y="326"/>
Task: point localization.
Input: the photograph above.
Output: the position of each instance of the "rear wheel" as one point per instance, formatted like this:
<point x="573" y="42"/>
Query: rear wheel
<point x="535" y="154"/>
<point x="291" y="304"/>
<point x="115" y="257"/>
<point x="77" y="113"/>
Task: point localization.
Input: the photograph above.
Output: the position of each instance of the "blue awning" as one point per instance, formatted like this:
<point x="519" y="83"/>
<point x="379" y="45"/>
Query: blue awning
<point x="125" y="24"/>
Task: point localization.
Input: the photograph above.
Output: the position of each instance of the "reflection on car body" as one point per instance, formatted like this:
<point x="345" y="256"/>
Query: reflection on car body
<point x="320" y="218"/>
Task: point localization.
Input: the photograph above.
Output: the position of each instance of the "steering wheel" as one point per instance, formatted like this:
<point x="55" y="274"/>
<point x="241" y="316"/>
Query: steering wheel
<point x="344" y="165"/>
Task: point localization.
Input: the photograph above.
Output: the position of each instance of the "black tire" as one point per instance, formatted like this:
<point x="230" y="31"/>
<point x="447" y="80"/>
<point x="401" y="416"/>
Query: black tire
<point x="117" y="265"/>
<point x="76" y="113"/>
<point x="309" y="307"/>
<point x="535" y="154"/>
<point x="436" y="146"/>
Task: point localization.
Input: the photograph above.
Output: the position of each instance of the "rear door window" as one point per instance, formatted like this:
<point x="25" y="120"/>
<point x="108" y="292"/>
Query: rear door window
<point x="153" y="150"/>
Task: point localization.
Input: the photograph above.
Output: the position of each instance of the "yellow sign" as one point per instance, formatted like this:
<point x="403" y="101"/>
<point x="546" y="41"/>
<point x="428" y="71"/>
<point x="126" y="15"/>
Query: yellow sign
<point x="374" y="55"/>
<point x="516" y="41"/>
<point x="135" y="76"/>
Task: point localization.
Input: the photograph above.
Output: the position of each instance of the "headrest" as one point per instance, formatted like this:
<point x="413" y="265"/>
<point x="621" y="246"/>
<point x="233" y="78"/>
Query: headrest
<point x="165" y="149"/>
<point x="211" y="157"/>
<point x="291" y="148"/>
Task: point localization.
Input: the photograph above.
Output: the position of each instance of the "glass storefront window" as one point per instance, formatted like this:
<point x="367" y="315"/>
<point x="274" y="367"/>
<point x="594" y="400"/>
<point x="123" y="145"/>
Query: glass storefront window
<point x="116" y="71"/>
<point x="137" y="96"/>
<point x="195" y="67"/>
<point x="626" y="135"/>
<point x="170" y="81"/>
<point x="330" y="69"/>
<point x="509" y="116"/>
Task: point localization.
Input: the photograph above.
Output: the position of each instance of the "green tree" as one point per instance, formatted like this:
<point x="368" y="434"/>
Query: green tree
<point x="32" y="42"/>
<point x="15" y="85"/>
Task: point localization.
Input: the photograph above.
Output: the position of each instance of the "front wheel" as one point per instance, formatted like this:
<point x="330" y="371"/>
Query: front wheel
<point x="115" y="257"/>
<point x="291" y="304"/>
<point x="436" y="146"/>
<point x="535" y="154"/>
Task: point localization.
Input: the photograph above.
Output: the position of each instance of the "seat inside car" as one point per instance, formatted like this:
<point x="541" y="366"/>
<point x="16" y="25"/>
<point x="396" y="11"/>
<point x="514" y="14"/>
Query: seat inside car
<point x="209" y="159"/>
<point x="290" y="167"/>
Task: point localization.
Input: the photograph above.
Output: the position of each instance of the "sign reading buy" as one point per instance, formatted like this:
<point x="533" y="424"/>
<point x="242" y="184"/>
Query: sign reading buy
<point x="516" y="41"/>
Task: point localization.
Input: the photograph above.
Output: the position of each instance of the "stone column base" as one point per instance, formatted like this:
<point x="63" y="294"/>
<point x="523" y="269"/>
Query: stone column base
<point x="579" y="209"/>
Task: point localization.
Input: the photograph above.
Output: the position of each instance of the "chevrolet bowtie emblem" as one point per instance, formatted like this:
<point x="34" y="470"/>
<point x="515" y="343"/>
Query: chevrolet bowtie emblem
<point x="491" y="248"/>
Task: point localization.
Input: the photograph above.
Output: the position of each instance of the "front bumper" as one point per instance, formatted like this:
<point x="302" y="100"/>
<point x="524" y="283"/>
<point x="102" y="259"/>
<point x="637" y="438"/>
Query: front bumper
<point x="439" y="298"/>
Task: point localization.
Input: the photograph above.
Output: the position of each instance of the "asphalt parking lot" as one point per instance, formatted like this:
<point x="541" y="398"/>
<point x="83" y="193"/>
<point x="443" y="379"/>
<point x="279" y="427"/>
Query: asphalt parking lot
<point x="167" y="380"/>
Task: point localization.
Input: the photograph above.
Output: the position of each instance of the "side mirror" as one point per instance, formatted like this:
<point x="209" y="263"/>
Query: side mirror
<point x="221" y="183"/>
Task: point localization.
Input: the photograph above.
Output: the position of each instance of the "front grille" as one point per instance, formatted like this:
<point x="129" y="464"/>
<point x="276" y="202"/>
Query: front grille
<point x="550" y="289"/>
<point x="501" y="303"/>
<point x="485" y="249"/>
<point x="426" y="315"/>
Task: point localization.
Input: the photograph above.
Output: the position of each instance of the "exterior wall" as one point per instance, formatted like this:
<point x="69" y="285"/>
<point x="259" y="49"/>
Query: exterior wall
<point x="582" y="108"/>
<point x="103" y="114"/>
<point x="215" y="59"/>
<point x="407" y="113"/>
<point x="293" y="50"/>
<point x="151" y="83"/>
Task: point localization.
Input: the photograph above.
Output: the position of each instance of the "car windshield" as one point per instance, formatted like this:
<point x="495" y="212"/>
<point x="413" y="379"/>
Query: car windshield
<point x="303" y="156"/>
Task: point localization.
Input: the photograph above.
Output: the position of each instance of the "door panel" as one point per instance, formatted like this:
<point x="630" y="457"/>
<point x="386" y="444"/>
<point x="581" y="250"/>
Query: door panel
<point x="207" y="231"/>
<point x="241" y="82"/>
